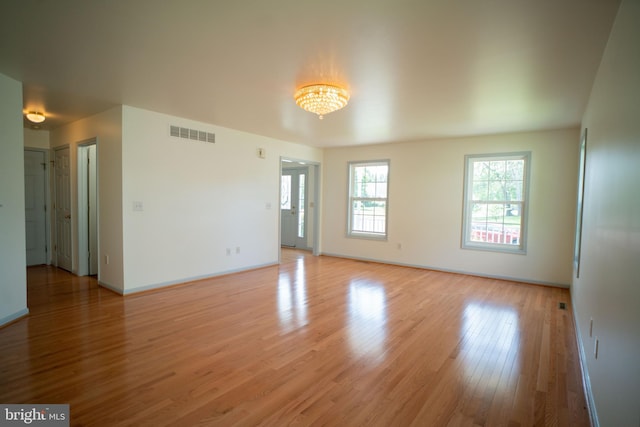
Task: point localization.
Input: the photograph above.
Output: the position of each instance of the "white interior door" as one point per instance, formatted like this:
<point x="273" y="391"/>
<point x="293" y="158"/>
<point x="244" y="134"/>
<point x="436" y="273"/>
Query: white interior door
<point x="93" y="210"/>
<point x="35" y="206"/>
<point x="63" y="209"/>
<point x="87" y="219"/>
<point x="293" y="207"/>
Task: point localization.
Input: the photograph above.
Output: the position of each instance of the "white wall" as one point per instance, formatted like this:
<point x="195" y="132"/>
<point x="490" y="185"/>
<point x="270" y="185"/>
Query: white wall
<point x="608" y="289"/>
<point x="36" y="138"/>
<point x="198" y="199"/>
<point x="13" y="264"/>
<point x="106" y="128"/>
<point x="426" y="202"/>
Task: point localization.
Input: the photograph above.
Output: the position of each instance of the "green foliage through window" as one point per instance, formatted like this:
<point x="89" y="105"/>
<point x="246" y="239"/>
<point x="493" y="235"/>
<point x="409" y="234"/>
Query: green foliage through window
<point x="368" y="189"/>
<point x="495" y="201"/>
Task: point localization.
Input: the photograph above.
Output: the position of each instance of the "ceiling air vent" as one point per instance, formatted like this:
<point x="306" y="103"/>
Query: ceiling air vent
<point x="193" y="134"/>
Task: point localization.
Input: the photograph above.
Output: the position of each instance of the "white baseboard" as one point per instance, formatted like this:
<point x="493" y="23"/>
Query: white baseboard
<point x="445" y="270"/>
<point x="15" y="316"/>
<point x="586" y="382"/>
<point x="151" y="287"/>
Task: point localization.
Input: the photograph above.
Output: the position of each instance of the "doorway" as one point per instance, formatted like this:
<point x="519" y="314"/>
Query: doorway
<point x="293" y="207"/>
<point x="87" y="209"/>
<point x="35" y="198"/>
<point x="299" y="205"/>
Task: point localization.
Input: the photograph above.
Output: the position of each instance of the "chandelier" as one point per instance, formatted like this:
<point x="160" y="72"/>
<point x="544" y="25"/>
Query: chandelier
<point x="321" y="99"/>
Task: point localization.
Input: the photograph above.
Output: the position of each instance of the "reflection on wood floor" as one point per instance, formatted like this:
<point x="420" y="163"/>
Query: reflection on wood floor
<point x="313" y="341"/>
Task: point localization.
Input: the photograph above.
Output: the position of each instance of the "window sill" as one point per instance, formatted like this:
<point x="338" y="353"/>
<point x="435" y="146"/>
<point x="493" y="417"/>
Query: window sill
<point x="366" y="236"/>
<point x="495" y="248"/>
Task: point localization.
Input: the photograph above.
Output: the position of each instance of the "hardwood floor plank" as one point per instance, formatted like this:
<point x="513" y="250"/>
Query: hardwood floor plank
<point x="313" y="341"/>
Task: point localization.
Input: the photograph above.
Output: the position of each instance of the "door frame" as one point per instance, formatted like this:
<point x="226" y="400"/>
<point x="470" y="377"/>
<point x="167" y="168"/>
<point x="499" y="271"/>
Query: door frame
<point x="47" y="200"/>
<point x="83" y="207"/>
<point x="315" y="169"/>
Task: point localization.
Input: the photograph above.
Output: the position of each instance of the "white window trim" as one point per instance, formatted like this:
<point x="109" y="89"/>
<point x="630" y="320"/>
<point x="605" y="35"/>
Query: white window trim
<point x="466" y="215"/>
<point x="361" y="234"/>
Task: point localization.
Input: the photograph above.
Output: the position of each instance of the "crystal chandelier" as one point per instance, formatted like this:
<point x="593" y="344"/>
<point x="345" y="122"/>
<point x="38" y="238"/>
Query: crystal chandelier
<point x="321" y="99"/>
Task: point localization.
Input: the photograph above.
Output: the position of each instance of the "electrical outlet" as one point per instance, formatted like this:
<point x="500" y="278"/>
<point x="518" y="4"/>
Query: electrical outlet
<point x="106" y="259"/>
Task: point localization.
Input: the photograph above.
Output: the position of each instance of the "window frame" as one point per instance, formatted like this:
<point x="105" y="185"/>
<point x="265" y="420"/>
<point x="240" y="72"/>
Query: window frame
<point x="467" y="216"/>
<point x="350" y="199"/>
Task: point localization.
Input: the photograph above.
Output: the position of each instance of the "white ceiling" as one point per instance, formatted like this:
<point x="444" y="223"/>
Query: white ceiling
<point x="417" y="69"/>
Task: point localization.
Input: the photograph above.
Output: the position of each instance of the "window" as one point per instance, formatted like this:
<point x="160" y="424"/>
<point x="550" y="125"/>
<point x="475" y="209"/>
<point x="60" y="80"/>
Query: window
<point x="301" y="201"/>
<point x="285" y="192"/>
<point x="495" y="202"/>
<point x="368" y="187"/>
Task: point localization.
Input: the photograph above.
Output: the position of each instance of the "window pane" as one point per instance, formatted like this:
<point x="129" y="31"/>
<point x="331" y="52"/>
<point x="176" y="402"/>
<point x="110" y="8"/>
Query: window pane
<point x="381" y="190"/>
<point x="368" y="216"/>
<point x="514" y="190"/>
<point x="480" y="191"/>
<point x="370" y="190"/>
<point x="301" y="203"/>
<point x="480" y="170"/>
<point x="285" y="192"/>
<point x="479" y="211"/>
<point x="513" y="212"/>
<point x="515" y="170"/>
<point x="497" y="190"/>
<point x="381" y="173"/>
<point x="478" y="231"/>
<point x="495" y="212"/>
<point x="491" y="225"/>
<point x="496" y="170"/>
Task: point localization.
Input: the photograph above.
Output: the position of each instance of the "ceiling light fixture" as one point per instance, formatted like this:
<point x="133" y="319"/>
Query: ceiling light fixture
<point x="35" y="117"/>
<point x="321" y="99"/>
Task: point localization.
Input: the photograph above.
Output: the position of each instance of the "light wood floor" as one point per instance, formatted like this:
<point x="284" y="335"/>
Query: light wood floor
<point x="314" y="341"/>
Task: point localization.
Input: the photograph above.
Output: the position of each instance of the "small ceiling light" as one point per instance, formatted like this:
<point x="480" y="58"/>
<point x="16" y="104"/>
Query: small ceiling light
<point x="321" y="99"/>
<point x="35" y="117"/>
